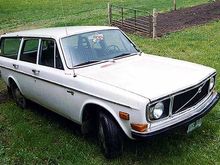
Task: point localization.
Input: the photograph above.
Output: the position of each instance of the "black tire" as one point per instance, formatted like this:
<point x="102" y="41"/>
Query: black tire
<point x="110" y="136"/>
<point x="20" y="100"/>
<point x="9" y="92"/>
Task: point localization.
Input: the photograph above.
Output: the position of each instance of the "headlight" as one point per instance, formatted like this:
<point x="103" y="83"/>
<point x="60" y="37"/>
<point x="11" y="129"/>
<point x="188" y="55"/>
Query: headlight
<point x="157" y="111"/>
<point x="211" y="83"/>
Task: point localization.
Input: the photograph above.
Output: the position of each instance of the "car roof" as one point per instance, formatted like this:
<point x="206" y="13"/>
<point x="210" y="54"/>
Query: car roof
<point x="57" y="32"/>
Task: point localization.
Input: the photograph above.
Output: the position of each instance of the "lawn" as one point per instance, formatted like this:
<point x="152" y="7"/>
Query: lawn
<point x="30" y="14"/>
<point x="38" y="136"/>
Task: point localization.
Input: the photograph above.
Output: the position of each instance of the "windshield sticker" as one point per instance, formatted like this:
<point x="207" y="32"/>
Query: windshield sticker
<point x="96" y="38"/>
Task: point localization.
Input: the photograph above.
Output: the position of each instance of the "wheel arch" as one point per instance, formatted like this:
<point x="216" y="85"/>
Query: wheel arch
<point x="96" y="106"/>
<point x="12" y="80"/>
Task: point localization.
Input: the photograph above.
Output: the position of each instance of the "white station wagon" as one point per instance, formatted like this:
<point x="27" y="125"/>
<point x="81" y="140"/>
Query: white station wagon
<point x="98" y="78"/>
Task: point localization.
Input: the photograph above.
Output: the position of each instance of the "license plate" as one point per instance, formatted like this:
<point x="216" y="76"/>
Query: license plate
<point x="194" y="125"/>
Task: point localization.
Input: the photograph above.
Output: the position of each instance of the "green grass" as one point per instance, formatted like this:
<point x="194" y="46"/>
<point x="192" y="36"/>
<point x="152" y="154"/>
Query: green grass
<point x="46" y="13"/>
<point x="37" y="136"/>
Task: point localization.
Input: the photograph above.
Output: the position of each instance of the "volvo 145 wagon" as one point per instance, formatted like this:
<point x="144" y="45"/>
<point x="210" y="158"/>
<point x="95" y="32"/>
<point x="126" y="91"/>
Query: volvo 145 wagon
<point x="98" y="78"/>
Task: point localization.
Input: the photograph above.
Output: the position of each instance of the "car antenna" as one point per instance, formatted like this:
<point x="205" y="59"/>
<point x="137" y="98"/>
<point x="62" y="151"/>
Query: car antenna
<point x="61" y="1"/>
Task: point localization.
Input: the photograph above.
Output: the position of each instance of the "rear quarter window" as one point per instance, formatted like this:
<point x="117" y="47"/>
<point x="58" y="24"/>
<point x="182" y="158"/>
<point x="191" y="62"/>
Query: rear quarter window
<point x="10" y="47"/>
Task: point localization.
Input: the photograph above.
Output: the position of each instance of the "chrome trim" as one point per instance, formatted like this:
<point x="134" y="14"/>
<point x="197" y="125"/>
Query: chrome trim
<point x="38" y="50"/>
<point x="171" y="106"/>
<point x="20" y="48"/>
<point x="214" y="83"/>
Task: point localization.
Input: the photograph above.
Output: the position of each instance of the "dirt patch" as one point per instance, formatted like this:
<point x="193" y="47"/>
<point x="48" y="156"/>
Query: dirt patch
<point x="184" y="18"/>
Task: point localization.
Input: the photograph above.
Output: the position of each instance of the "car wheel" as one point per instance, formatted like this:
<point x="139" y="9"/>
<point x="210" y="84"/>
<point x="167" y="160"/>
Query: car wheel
<point x="9" y="92"/>
<point x="110" y="136"/>
<point x="18" y="97"/>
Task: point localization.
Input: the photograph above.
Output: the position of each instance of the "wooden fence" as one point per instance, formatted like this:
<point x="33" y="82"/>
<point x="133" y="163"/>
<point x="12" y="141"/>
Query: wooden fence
<point x="132" y="20"/>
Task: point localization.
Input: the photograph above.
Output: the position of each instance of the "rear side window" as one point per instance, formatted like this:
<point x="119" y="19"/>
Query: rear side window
<point x="10" y="47"/>
<point x="29" y="50"/>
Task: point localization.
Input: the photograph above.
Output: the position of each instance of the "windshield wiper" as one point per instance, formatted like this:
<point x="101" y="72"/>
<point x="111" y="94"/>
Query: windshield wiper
<point x="124" y="54"/>
<point x="87" y="62"/>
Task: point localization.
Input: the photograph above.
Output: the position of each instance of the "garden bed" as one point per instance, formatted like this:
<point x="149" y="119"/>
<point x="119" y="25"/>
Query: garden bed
<point x="163" y="23"/>
<point x="187" y="17"/>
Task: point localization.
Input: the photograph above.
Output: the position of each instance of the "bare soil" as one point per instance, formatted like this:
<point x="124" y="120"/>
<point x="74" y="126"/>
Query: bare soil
<point x="187" y="17"/>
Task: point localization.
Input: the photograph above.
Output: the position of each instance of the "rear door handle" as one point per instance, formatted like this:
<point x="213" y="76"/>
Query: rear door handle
<point x="36" y="72"/>
<point x="15" y="66"/>
<point x="70" y="91"/>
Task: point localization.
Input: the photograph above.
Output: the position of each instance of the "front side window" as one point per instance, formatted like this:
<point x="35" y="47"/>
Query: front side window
<point x="49" y="54"/>
<point x="58" y="61"/>
<point x="96" y="46"/>
<point x="10" y="47"/>
<point x="29" y="50"/>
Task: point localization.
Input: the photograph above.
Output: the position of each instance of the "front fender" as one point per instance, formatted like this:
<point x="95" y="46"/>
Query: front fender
<point x="113" y="109"/>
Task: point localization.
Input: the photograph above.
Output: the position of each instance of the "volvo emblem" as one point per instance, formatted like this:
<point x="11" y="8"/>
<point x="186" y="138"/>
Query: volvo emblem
<point x="200" y="90"/>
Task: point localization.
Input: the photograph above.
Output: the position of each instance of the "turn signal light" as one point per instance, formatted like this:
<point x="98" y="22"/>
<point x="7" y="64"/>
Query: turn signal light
<point x="124" y="115"/>
<point x="139" y="127"/>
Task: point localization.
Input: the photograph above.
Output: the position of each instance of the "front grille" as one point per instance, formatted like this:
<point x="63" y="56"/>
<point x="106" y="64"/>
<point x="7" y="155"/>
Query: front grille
<point x="190" y="98"/>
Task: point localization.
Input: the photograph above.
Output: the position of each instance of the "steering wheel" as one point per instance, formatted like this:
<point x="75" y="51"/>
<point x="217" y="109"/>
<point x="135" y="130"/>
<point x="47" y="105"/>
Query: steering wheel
<point x="112" y="49"/>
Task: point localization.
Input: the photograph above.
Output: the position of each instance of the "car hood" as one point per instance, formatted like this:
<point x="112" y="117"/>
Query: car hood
<point x="149" y="76"/>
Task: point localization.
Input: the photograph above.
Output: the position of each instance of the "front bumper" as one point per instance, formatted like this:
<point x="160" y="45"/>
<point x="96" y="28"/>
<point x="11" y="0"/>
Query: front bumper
<point x="202" y="112"/>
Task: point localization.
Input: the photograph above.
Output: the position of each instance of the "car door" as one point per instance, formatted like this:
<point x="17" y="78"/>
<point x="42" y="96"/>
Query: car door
<point x="26" y="65"/>
<point x="51" y="83"/>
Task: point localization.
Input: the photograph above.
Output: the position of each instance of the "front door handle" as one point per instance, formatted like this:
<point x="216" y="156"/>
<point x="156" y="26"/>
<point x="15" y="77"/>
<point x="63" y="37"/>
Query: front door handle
<point x="71" y="92"/>
<point x="36" y="72"/>
<point x="15" y="66"/>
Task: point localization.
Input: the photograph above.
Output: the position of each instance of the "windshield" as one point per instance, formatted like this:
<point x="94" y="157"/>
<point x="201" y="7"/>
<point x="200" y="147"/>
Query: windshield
<point x="96" y="46"/>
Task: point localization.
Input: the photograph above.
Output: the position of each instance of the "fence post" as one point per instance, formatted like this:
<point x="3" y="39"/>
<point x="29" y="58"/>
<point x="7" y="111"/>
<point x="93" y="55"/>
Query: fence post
<point x="122" y="16"/>
<point x="154" y="23"/>
<point x="174" y="4"/>
<point x="135" y="17"/>
<point x="109" y="14"/>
